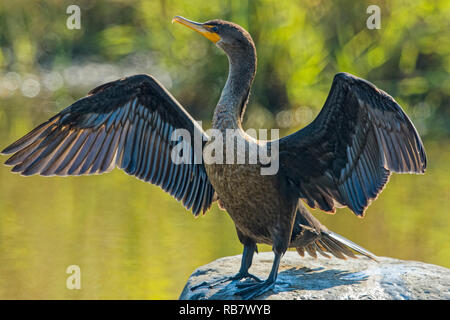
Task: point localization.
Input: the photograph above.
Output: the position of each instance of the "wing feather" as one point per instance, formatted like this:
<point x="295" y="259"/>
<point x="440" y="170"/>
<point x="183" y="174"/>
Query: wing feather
<point x="126" y="123"/>
<point x="346" y="155"/>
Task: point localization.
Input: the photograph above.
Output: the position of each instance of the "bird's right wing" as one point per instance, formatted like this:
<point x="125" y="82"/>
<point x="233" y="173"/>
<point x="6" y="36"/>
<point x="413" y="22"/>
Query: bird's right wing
<point x="129" y="123"/>
<point x="346" y="155"/>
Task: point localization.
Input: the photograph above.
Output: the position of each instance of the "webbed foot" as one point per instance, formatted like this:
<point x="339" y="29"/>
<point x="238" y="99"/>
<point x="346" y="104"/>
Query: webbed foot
<point x="237" y="277"/>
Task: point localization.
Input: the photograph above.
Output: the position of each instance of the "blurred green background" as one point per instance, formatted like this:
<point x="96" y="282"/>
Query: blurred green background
<point x="133" y="241"/>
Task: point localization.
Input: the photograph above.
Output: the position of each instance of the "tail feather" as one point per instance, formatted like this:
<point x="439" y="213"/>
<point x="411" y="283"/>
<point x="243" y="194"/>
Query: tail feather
<point x="311" y="250"/>
<point x="310" y="235"/>
<point x="337" y="245"/>
<point x="336" y="249"/>
<point x="321" y="249"/>
<point x="350" y="244"/>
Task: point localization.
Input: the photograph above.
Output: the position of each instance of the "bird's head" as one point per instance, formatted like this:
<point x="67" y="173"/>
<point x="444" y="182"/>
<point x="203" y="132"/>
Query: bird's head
<point x="228" y="36"/>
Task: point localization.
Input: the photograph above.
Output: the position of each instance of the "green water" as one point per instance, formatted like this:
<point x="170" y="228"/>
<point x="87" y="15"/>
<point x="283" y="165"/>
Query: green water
<point x="133" y="241"/>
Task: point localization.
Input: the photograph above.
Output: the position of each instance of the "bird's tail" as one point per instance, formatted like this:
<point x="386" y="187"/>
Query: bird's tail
<point x="337" y="245"/>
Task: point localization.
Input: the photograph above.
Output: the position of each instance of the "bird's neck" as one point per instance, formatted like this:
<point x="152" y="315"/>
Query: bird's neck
<point x="233" y="100"/>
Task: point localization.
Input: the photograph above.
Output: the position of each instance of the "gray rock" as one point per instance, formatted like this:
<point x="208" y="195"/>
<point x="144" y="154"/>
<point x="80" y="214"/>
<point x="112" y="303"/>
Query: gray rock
<point x="322" y="278"/>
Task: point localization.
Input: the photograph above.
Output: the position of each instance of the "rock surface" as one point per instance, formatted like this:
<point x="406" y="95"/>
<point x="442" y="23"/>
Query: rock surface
<point x="322" y="278"/>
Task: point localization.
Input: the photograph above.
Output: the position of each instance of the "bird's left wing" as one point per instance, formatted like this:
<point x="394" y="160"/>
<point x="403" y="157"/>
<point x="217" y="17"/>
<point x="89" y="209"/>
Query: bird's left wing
<point x="128" y="123"/>
<point x="346" y="155"/>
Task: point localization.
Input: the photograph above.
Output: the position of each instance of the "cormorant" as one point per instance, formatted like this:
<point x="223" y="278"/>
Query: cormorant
<point x="343" y="158"/>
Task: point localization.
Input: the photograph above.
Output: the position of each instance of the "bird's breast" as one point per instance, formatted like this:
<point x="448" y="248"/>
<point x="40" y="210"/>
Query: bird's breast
<point x="250" y="198"/>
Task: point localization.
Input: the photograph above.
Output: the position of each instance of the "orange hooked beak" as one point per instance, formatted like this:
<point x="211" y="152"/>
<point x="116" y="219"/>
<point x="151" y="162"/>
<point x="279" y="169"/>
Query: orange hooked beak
<point x="199" y="27"/>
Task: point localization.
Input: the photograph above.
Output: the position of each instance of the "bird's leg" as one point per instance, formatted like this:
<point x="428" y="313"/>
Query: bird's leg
<point x="249" y="291"/>
<point x="246" y="262"/>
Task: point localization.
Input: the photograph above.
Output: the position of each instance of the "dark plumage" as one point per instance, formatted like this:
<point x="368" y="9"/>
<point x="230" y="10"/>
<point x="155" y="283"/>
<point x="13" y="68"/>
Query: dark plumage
<point x="349" y="151"/>
<point x="127" y="123"/>
<point x="343" y="158"/>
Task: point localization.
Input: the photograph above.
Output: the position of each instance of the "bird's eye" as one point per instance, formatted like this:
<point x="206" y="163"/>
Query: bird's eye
<point x="214" y="29"/>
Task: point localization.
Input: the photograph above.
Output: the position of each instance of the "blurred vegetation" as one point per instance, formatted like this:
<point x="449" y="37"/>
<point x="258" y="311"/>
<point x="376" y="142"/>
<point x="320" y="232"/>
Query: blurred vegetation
<point x="132" y="240"/>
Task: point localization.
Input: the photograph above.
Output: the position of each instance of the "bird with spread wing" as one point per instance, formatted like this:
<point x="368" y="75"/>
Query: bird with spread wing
<point x="342" y="159"/>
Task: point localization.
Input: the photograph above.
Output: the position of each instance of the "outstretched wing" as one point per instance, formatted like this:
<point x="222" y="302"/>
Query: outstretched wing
<point x="129" y="123"/>
<point x="346" y="155"/>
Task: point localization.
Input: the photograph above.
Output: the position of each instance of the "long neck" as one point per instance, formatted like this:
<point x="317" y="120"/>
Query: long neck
<point x="233" y="100"/>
